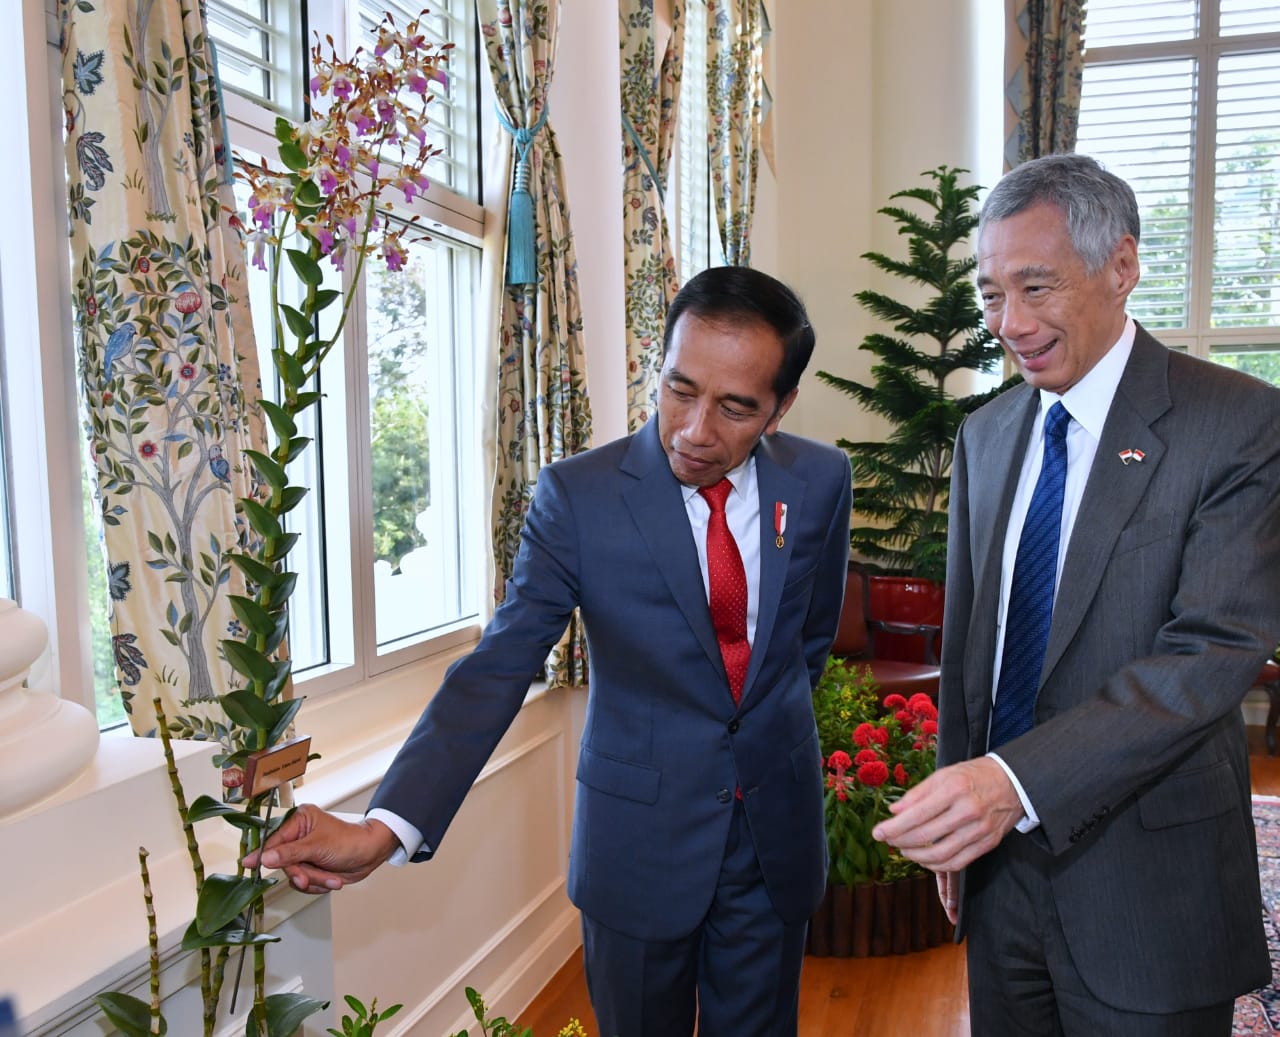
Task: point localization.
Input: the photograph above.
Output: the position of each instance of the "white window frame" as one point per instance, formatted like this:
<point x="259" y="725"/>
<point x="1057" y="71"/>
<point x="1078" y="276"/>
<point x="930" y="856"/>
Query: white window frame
<point x="1207" y="48"/>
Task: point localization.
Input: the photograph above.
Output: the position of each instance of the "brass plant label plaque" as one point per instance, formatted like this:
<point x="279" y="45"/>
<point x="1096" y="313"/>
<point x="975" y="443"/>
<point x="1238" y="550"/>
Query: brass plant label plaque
<point x="269" y="768"/>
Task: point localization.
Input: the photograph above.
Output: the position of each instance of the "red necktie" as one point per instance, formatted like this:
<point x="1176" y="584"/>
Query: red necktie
<point x="728" y="581"/>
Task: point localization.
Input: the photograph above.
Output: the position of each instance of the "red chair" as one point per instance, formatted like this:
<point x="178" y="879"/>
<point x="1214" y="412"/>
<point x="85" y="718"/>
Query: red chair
<point x="855" y="642"/>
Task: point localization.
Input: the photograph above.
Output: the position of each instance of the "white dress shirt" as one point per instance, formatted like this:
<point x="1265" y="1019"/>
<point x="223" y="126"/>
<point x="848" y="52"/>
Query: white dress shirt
<point x="1088" y="402"/>
<point x="742" y="511"/>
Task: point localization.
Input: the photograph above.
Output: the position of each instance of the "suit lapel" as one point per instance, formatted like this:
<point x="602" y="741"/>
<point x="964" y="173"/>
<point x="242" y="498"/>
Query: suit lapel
<point x="775" y="484"/>
<point x="657" y="506"/>
<point x="1113" y="490"/>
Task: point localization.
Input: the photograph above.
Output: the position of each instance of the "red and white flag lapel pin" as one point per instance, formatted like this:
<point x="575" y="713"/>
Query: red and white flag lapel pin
<point x="779" y="521"/>
<point x="1130" y="454"/>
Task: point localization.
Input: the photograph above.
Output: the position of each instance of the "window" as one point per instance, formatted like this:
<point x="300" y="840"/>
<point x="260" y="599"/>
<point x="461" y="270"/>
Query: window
<point x="452" y="125"/>
<point x="423" y="442"/>
<point x="1182" y="99"/>
<point x="256" y="58"/>
<point x="398" y="421"/>
<point x="699" y="240"/>
<point x="389" y="560"/>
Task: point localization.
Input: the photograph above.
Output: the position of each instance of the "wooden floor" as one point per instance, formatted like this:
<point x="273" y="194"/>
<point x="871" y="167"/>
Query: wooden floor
<point x="846" y="997"/>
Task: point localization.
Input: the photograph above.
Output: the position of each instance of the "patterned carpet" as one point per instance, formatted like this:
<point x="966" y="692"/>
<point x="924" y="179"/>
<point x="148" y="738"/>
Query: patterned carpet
<point x="1259" y="1013"/>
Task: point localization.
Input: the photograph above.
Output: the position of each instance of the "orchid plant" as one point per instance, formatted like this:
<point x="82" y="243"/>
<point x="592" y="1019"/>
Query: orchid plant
<point x="365" y="142"/>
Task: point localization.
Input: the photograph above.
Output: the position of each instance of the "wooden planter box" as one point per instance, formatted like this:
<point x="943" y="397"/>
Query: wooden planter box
<point x="879" y="918"/>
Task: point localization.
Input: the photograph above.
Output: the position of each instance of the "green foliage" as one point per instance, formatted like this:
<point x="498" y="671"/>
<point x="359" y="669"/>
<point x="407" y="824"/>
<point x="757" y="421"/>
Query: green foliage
<point x="901" y="485"/>
<point x="873" y="750"/>
<point x="400" y="452"/>
<point x="363" y="1022"/>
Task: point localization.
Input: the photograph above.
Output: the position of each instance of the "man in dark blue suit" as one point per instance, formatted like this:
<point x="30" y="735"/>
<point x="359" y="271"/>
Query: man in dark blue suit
<point x="698" y="849"/>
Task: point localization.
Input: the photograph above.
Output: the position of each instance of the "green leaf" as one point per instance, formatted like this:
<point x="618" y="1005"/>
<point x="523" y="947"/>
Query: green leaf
<point x="324" y="298"/>
<point x="252" y="615"/>
<point x="297" y="445"/>
<point x="253" y="664"/>
<point x="227" y="936"/>
<point x="129" y="1015"/>
<point x="305" y="400"/>
<point x="260" y="574"/>
<point x="284" y="130"/>
<point x="272" y="474"/>
<point x="291" y="498"/>
<point x="285" y="712"/>
<point x="205" y="807"/>
<point x="308" y="193"/>
<point x="247" y="710"/>
<point x="274" y="686"/>
<point x="277" y="633"/>
<point x="307" y="269"/>
<point x="292" y="156"/>
<point x="283" y="589"/>
<point x="289" y="367"/>
<point x="260" y="518"/>
<point x="224" y="897"/>
<point x="286" y="1012"/>
<point x="298" y="322"/>
<point x="284" y="544"/>
<point x="209" y="807"/>
<point x="284" y="426"/>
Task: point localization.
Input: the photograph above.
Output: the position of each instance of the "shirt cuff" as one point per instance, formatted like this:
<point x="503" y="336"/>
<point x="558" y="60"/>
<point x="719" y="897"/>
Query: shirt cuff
<point x="410" y="838"/>
<point x="1030" y="819"/>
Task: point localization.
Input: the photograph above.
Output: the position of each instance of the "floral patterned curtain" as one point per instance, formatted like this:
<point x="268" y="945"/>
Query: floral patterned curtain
<point x="167" y="365"/>
<point x="542" y="410"/>
<point x="1044" y="66"/>
<point x="650" y="101"/>
<point x="735" y="88"/>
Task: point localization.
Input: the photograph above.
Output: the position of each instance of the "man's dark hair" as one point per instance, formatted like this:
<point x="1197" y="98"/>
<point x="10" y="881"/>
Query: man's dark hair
<point x="738" y="295"/>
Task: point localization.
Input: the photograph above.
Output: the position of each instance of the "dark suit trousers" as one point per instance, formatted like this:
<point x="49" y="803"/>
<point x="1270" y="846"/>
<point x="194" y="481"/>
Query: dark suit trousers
<point x="737" y="974"/>
<point x="1022" y="981"/>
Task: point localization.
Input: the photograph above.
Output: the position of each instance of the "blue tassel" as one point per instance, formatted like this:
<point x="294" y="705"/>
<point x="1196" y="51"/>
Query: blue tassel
<point x="522" y="250"/>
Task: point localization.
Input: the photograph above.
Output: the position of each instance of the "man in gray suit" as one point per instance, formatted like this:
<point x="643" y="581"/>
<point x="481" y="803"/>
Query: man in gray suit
<point x="1090" y="819"/>
<point x="698" y="851"/>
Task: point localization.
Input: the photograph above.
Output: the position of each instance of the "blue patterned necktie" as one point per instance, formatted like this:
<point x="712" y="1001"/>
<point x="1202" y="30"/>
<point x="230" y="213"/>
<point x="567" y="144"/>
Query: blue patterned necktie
<point x="1026" y="628"/>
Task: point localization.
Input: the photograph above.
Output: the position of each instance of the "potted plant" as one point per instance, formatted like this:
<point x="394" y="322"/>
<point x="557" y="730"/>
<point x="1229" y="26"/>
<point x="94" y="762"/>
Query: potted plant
<point x="873" y="750"/>
<point x="934" y="340"/>
<point x="329" y="201"/>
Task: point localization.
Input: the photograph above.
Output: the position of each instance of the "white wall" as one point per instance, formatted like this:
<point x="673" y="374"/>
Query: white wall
<point x="869" y="94"/>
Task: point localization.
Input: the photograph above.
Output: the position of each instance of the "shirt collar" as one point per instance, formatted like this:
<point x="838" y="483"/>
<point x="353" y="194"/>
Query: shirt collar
<point x="740" y="478"/>
<point x="1089" y="400"/>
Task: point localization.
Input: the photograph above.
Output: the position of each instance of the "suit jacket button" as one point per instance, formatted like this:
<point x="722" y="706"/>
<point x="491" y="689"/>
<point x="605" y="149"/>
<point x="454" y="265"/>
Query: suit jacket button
<point x="733" y="726"/>
<point x="724" y="795"/>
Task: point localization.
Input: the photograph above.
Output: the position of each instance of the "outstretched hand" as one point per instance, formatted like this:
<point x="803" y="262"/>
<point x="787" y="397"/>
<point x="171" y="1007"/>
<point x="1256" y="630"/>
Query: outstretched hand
<point x="954" y="816"/>
<point x="321" y="852"/>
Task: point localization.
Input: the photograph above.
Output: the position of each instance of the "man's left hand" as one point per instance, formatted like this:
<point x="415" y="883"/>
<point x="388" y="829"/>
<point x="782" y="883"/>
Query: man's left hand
<point x="954" y="816"/>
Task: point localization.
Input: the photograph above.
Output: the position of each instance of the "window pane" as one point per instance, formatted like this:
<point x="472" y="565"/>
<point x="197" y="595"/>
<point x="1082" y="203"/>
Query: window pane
<point x="1246" y="259"/>
<point x="695" y="180"/>
<point x="308" y="627"/>
<point x="422" y="434"/>
<point x="254" y="54"/>
<point x="451" y="117"/>
<point x="1109" y="23"/>
<point x="1240" y="17"/>
<point x="1260" y="361"/>
<point x="1138" y="119"/>
<point x="102" y="592"/>
<point x="6" y="551"/>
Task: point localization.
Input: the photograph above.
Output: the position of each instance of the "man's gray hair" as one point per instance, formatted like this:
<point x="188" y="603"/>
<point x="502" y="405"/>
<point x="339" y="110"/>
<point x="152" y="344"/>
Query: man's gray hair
<point x="1099" y="207"/>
